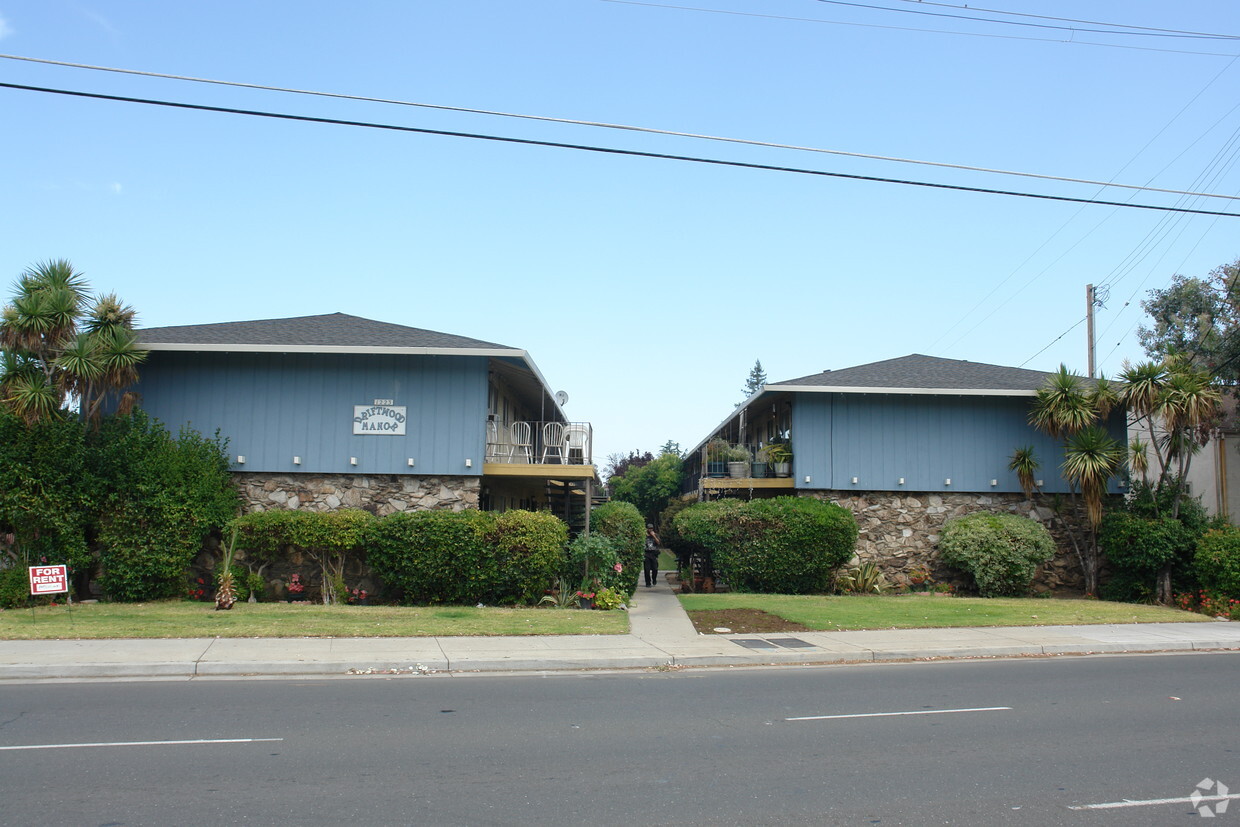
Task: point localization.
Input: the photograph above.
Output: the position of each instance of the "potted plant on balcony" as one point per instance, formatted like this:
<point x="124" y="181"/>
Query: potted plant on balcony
<point x="738" y="459"/>
<point x="779" y="456"/>
<point x="716" y="458"/>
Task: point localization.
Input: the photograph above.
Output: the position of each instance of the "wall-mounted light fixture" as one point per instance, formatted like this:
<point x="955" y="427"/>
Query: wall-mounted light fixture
<point x="901" y="481"/>
<point x="1039" y="483"/>
<point x="854" y="480"/>
<point x="469" y="463"/>
<point x="353" y="460"/>
<point x="240" y="460"/>
<point x="994" y="482"/>
<point x="947" y="481"/>
<point x="410" y="462"/>
<point x="808" y="478"/>
<point x="297" y="460"/>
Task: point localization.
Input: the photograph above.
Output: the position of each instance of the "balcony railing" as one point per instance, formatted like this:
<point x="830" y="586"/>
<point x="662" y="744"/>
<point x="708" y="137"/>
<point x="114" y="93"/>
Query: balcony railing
<point x="540" y="443"/>
<point x="719" y="459"/>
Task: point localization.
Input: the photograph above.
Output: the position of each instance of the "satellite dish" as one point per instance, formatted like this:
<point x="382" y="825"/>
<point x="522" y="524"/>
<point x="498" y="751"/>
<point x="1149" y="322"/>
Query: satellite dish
<point x="561" y="397"/>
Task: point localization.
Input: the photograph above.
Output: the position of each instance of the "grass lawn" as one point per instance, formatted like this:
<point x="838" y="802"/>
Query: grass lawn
<point x="916" y="611"/>
<point x="185" y="619"/>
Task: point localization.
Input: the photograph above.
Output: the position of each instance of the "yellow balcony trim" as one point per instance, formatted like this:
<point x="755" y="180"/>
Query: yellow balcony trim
<point x="747" y="482"/>
<point x="555" y="472"/>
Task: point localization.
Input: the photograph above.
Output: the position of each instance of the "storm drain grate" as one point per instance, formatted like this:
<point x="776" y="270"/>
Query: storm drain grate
<point x="792" y="643"/>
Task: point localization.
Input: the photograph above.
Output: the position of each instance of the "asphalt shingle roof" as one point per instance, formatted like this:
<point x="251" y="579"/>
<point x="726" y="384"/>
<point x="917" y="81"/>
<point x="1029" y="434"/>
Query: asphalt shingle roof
<point x="330" y="330"/>
<point x="918" y="371"/>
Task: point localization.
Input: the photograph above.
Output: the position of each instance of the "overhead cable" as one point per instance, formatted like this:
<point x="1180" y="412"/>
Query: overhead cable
<point x="624" y="127"/>
<point x="603" y="150"/>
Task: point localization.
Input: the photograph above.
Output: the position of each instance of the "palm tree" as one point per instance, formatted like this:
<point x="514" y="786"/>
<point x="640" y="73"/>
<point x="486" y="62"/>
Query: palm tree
<point x="1026" y="466"/>
<point x="58" y="348"/>
<point x="1067" y="408"/>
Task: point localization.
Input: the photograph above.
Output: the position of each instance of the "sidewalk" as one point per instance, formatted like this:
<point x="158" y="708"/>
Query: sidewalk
<point x="661" y="635"/>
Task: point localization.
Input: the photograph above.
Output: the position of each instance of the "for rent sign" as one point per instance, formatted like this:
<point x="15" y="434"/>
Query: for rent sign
<point x="49" y="579"/>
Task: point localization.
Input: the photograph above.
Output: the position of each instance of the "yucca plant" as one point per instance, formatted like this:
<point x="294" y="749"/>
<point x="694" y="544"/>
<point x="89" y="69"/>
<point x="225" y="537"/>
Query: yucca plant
<point x="226" y="594"/>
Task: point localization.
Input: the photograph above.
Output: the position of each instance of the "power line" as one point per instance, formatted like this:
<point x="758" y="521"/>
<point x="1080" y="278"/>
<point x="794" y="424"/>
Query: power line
<point x="624" y="127"/>
<point x="1056" y="339"/>
<point x="605" y="150"/>
<point x="1139" y="33"/>
<point x="1073" y="41"/>
<point x="1068" y="19"/>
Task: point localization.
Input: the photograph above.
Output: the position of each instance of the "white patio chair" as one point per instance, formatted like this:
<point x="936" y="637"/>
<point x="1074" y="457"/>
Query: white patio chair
<point x="495" y="445"/>
<point x="577" y="438"/>
<point x="552" y="441"/>
<point x="520" y="441"/>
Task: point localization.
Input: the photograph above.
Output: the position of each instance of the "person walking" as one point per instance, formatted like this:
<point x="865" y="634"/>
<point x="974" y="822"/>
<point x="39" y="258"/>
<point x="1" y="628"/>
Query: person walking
<point x="651" y="567"/>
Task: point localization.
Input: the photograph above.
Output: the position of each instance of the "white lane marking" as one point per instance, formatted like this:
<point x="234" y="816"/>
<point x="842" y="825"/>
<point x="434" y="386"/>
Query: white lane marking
<point x="144" y="743"/>
<point x="893" y="714"/>
<point x="1153" y="802"/>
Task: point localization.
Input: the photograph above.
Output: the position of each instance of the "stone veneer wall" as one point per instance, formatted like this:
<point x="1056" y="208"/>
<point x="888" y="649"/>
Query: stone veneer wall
<point x="380" y="494"/>
<point x="900" y="532"/>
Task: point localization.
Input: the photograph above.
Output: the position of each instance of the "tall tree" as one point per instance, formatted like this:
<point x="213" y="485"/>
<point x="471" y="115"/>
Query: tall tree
<point x="1197" y="319"/>
<point x="60" y="349"/>
<point x="1069" y="408"/>
<point x="756" y="379"/>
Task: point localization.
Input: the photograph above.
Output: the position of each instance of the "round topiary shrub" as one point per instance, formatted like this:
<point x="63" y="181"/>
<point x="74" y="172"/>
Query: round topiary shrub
<point x="1000" y="551"/>
<point x="1217" y="561"/>
<point x="781" y="545"/>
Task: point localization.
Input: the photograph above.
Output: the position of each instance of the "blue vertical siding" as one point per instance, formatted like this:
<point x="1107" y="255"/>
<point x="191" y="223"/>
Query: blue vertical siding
<point x="272" y="407"/>
<point x="879" y="438"/>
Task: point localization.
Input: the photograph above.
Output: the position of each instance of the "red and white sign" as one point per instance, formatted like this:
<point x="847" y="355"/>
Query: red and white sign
<point x="49" y="579"/>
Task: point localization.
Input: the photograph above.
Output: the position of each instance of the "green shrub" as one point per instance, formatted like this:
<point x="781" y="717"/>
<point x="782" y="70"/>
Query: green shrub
<point x="165" y="495"/>
<point x="48" y="497"/>
<point x="14" y="587"/>
<point x="781" y="545"/>
<point x="435" y="556"/>
<point x="1132" y="550"/>
<point x="1000" y="551"/>
<point x="622" y="523"/>
<point x="1137" y="548"/>
<point x="529" y="551"/>
<point x="670" y="535"/>
<point x="591" y="562"/>
<point x="1217" y="561"/>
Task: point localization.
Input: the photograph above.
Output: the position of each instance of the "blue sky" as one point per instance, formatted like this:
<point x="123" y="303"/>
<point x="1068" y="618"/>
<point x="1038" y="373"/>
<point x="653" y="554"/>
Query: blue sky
<point x="644" y="288"/>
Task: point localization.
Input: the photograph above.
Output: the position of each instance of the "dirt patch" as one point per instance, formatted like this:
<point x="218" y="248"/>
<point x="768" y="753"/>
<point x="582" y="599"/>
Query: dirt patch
<point x="742" y="622"/>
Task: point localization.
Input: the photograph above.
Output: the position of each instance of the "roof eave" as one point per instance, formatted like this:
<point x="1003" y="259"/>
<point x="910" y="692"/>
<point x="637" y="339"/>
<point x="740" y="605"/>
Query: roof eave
<point x="188" y="347"/>
<point x="906" y="391"/>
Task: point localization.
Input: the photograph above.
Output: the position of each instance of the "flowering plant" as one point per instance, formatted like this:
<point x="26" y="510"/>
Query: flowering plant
<point x="608" y="599"/>
<point x="295" y="585"/>
<point x="586" y="595"/>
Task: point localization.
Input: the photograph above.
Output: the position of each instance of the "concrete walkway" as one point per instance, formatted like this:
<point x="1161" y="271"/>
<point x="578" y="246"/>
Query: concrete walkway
<point x="661" y="636"/>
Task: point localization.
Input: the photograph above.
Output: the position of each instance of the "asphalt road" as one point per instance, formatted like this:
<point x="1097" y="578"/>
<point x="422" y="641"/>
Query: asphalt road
<point x="693" y="747"/>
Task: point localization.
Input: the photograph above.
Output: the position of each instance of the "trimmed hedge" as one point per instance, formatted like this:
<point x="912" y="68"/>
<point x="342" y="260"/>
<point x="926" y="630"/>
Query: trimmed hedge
<point x="780" y="545"/>
<point x="623" y="524"/>
<point x="1137" y="548"/>
<point x="1000" y="551"/>
<point x="529" y="546"/>
<point x="1217" y="561"/>
<point x="464" y="557"/>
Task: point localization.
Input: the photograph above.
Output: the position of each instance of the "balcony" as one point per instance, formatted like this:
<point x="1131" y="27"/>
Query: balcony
<point x="560" y="450"/>
<point x="722" y="464"/>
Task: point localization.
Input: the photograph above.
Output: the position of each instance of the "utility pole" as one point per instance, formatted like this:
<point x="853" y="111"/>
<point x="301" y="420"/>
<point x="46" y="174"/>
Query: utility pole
<point x="1089" y="325"/>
